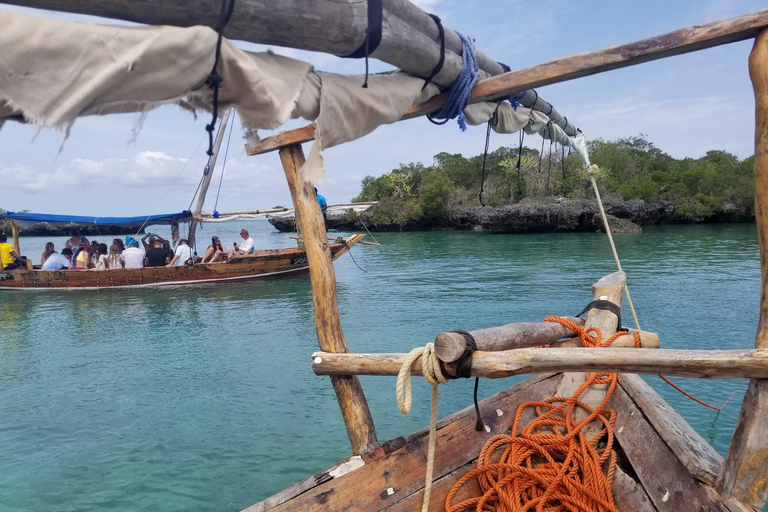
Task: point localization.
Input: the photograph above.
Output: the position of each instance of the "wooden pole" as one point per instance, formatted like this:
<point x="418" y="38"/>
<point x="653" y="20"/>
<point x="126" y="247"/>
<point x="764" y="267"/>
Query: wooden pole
<point x="697" y="364"/>
<point x="354" y="407"/>
<point x="15" y="233"/>
<point x="207" y="179"/>
<point x="744" y="475"/>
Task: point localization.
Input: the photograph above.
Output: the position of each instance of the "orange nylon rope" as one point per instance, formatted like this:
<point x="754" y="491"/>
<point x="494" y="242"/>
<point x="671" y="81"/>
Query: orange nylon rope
<point x="550" y="465"/>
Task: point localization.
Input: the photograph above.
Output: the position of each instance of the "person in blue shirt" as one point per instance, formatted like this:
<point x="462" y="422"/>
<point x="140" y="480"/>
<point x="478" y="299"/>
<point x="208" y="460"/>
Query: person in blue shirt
<point x="323" y="207"/>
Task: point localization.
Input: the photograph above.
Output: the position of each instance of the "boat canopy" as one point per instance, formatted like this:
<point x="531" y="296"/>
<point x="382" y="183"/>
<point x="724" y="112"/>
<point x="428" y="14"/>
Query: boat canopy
<point x="27" y="220"/>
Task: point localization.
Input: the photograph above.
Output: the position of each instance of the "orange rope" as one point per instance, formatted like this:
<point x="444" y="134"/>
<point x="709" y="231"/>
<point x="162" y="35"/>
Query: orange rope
<point x="550" y="465"/>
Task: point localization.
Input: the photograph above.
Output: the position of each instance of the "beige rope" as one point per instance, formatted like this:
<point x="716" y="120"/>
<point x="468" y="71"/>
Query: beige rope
<point x="593" y="171"/>
<point x="430" y="366"/>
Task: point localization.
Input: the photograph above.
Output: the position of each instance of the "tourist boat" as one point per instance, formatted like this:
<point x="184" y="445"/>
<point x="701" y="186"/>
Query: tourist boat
<point x="662" y="464"/>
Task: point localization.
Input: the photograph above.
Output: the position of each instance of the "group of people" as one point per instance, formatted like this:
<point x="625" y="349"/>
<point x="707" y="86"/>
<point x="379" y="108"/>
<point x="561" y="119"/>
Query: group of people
<point x="81" y="254"/>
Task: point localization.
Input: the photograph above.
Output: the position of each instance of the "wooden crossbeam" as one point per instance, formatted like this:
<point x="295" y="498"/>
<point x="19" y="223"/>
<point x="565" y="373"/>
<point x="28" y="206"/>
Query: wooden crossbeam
<point x="679" y="42"/>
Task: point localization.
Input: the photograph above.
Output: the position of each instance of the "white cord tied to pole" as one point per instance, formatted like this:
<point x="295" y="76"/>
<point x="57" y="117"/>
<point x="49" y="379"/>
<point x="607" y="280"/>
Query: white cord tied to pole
<point x="430" y="366"/>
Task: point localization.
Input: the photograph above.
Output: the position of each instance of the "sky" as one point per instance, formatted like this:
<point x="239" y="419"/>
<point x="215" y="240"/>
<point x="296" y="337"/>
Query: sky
<point x="685" y="105"/>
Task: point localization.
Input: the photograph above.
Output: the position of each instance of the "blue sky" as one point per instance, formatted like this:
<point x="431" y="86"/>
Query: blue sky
<point x="685" y="105"/>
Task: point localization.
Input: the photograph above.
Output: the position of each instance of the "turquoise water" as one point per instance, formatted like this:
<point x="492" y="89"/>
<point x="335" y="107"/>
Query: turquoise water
<point x="202" y="398"/>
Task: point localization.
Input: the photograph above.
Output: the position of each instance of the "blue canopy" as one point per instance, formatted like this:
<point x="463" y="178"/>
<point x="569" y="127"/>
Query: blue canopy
<point x="29" y="219"/>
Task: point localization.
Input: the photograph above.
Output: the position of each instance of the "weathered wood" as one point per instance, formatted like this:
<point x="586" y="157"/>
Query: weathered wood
<point x="628" y="494"/>
<point x="647" y="340"/>
<point x="354" y="407"/>
<point x="389" y="477"/>
<point x="693" y="451"/>
<point x="207" y="176"/>
<point x="681" y="41"/>
<point x="15" y="234"/>
<point x="745" y="472"/>
<point x="698" y="364"/>
<point x="667" y="481"/>
<point x="283" y="139"/>
<point x="450" y="346"/>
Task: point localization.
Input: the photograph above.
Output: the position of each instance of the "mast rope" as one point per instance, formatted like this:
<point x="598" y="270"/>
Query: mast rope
<point x="493" y="121"/>
<point x="460" y="91"/>
<point x="441" y="60"/>
<point x="214" y="78"/>
<point x="223" y="166"/>
<point x="592" y="172"/>
<point x="373" y="31"/>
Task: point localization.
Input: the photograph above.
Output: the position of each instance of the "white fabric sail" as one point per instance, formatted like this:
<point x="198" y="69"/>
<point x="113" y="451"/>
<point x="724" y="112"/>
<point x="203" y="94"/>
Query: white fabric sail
<point x="52" y="72"/>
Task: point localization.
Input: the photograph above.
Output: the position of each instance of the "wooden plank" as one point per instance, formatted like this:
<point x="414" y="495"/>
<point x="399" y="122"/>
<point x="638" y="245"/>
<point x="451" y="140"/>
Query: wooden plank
<point x="349" y="392"/>
<point x="665" y="479"/>
<point x="745" y="472"/>
<point x="700" y="364"/>
<point x="392" y="477"/>
<point x="647" y="340"/>
<point x="628" y="494"/>
<point x="283" y="139"/>
<point x="693" y="451"/>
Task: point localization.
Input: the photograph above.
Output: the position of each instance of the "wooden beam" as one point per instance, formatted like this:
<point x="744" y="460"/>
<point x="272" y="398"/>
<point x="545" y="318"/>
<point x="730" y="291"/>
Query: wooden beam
<point x="354" y="407"/>
<point x="698" y="364"/>
<point x="745" y="473"/>
<point x="15" y="234"/>
<point x="679" y="42"/>
<point x="647" y="340"/>
<point x="283" y="139"/>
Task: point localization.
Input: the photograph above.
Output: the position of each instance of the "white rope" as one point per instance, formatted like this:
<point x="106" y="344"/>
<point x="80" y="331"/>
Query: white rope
<point x="430" y="366"/>
<point x="593" y="171"/>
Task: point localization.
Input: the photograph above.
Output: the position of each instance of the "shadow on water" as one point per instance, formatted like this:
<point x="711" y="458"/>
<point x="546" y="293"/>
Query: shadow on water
<point x="202" y="398"/>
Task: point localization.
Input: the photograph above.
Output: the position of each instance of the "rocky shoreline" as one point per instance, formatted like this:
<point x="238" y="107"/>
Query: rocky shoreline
<point x="567" y="215"/>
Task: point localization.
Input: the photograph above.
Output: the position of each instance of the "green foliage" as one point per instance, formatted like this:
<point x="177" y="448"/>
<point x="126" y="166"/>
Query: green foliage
<point x="630" y="168"/>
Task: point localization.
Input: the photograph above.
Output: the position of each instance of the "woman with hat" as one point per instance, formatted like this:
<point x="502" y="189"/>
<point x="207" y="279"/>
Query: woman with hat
<point x="215" y="251"/>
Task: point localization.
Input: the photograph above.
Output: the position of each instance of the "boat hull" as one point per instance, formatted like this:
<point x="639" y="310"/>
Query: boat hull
<point x="263" y="264"/>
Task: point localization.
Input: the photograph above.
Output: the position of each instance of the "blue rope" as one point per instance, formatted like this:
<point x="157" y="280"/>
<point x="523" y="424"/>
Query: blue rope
<point x="460" y="91"/>
<point x="515" y="100"/>
<point x="223" y="165"/>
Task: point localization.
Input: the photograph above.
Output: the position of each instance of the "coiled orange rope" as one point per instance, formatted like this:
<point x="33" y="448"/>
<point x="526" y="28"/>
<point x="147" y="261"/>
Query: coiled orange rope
<point x="550" y="465"/>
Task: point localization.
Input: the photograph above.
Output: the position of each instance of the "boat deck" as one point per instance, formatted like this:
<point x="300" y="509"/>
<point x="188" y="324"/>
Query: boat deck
<point x="663" y="464"/>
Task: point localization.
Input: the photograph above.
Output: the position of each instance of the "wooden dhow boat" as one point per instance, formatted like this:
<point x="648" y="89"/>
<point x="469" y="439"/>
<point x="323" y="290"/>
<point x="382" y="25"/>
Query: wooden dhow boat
<point x="631" y="450"/>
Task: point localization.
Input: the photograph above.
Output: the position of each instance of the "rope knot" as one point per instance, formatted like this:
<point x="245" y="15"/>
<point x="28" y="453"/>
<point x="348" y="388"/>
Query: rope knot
<point x="430" y="367"/>
<point x="593" y="170"/>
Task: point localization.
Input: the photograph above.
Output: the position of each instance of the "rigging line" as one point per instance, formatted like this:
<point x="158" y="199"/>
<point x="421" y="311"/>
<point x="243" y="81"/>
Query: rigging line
<point x="359" y="216"/>
<point x="492" y="121"/>
<point x="549" y="167"/>
<point x="223" y="166"/>
<point x="171" y="186"/>
<point x="519" y="159"/>
<point x="349" y="251"/>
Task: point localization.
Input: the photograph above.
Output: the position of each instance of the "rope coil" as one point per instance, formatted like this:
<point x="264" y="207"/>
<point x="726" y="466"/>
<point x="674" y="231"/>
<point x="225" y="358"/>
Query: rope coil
<point x="460" y="91"/>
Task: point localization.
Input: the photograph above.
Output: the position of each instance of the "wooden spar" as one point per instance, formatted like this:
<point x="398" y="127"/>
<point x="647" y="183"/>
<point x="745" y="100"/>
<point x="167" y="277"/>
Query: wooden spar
<point x="697" y="364"/>
<point x="744" y="476"/>
<point x="576" y="66"/>
<point x="410" y="39"/>
<point x="354" y="408"/>
<point x="450" y="346"/>
<point x="207" y="179"/>
<point x="15" y="233"/>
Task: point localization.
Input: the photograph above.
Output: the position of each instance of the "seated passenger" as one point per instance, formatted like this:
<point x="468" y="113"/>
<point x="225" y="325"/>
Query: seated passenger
<point x="156" y="255"/>
<point x="239" y="250"/>
<point x="58" y="261"/>
<point x="76" y="240"/>
<point x="115" y="250"/>
<point x="9" y="259"/>
<point x="47" y="252"/>
<point x="182" y="255"/>
<point x="215" y="252"/>
<point x="132" y="256"/>
<point x="100" y="261"/>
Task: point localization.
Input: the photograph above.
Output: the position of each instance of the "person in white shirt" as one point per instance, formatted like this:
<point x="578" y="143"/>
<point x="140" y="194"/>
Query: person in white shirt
<point x="132" y="256"/>
<point x="182" y="255"/>
<point x="239" y="250"/>
<point x="58" y="261"/>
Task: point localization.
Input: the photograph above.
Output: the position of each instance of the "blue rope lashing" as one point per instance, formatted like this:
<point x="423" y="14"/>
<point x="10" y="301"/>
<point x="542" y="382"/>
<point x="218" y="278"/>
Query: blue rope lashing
<point x="515" y="100"/>
<point x="223" y="165"/>
<point x="460" y="91"/>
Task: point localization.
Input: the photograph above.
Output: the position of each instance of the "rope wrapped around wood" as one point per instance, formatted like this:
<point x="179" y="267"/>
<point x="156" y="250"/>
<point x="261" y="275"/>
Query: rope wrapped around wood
<point x="550" y="464"/>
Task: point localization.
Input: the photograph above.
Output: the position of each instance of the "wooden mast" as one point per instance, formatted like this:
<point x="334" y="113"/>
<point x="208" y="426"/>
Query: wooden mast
<point x="15" y="233"/>
<point x="354" y="408"/>
<point x="207" y="179"/>
<point x="744" y="475"/>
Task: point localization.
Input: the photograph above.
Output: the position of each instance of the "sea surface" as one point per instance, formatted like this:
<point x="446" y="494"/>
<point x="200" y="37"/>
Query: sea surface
<point x="202" y="398"/>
